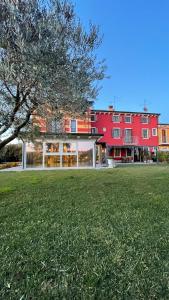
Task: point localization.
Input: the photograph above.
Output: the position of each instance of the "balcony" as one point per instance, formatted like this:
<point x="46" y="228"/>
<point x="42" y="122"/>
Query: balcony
<point x="130" y="140"/>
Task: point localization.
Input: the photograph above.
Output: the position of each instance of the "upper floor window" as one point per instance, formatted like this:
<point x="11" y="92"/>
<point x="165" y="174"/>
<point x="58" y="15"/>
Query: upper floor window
<point x="104" y="129"/>
<point x="73" y="126"/>
<point x="54" y="126"/>
<point x="93" y="118"/>
<point x="94" y="130"/>
<point x="116" y="133"/>
<point x="154" y="132"/>
<point x="164" y="136"/>
<point x="127" y="119"/>
<point x="145" y="133"/>
<point x="128" y="135"/>
<point x="144" y="119"/>
<point x="116" y="119"/>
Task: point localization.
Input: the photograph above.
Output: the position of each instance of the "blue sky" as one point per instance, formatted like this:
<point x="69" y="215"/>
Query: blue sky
<point x="136" y="49"/>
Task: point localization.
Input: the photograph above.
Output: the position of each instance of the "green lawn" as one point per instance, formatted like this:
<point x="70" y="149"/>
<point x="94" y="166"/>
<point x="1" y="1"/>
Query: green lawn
<point x="85" y="234"/>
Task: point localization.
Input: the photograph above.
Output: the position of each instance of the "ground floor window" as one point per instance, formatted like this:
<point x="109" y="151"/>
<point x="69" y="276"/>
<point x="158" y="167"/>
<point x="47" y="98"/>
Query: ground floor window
<point x="85" y="154"/>
<point x="117" y="152"/>
<point x="60" y="154"/>
<point x="52" y="147"/>
<point x="128" y="152"/>
<point x="69" y="161"/>
<point x="52" y="161"/>
<point x="34" y="154"/>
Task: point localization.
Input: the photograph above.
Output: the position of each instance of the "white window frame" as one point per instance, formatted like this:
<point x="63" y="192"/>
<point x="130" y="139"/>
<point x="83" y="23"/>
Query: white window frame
<point x="127" y="116"/>
<point x="119" y="133"/>
<point x="115" y="152"/>
<point x="116" y="115"/>
<point x="153" y="131"/>
<point x="145" y="138"/>
<point x="71" y="126"/>
<point x="60" y="153"/>
<point x="147" y="117"/>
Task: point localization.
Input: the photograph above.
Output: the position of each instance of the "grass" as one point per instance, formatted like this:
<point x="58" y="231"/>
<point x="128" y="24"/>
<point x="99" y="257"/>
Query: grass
<point x="85" y="234"/>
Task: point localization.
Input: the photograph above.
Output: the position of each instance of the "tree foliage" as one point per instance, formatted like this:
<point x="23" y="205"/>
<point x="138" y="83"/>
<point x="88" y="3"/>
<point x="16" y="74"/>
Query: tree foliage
<point x="47" y="59"/>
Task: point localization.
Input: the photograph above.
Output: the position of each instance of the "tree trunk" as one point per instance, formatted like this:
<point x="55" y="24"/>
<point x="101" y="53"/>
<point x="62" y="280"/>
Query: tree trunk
<point x="16" y="132"/>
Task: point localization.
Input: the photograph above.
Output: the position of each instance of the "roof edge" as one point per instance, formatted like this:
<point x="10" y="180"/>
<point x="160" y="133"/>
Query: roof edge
<point x="125" y="112"/>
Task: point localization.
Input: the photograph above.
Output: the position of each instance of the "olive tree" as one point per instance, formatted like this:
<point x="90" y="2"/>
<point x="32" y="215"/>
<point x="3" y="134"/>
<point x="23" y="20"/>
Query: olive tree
<point x="47" y="59"/>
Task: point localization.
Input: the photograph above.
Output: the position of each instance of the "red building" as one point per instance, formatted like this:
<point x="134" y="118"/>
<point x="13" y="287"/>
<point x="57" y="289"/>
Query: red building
<point x="128" y="136"/>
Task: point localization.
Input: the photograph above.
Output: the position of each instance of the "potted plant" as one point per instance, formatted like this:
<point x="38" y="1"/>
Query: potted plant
<point x="110" y="162"/>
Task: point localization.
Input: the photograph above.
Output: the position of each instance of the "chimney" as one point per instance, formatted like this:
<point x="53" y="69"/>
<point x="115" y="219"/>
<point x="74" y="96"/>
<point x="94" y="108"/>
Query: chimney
<point x="111" y="108"/>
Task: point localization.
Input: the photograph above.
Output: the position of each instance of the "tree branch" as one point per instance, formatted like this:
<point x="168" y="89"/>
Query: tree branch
<point x="16" y="131"/>
<point x="8" y="89"/>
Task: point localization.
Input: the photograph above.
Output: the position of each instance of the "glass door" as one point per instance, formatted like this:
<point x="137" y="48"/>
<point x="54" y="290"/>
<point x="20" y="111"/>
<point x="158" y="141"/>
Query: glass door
<point x="128" y="135"/>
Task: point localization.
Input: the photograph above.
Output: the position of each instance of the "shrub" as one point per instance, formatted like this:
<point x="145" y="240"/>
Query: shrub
<point x="163" y="157"/>
<point x="11" y="153"/>
<point x="8" y="165"/>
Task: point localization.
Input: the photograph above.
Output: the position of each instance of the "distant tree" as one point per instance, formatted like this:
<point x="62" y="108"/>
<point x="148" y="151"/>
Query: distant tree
<point x="11" y="153"/>
<point x="47" y="59"/>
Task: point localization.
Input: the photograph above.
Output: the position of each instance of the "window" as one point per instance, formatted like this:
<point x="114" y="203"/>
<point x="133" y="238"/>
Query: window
<point x="52" y="147"/>
<point x="93" y="118"/>
<point x="128" y="135"/>
<point x="85" y="154"/>
<point x="116" y="133"/>
<point x="104" y="129"/>
<point x="164" y="136"/>
<point x="52" y="161"/>
<point x="145" y="133"/>
<point x="73" y="126"/>
<point x="117" y="152"/>
<point x="128" y="152"/>
<point x="154" y="132"/>
<point x="127" y="119"/>
<point x="144" y="119"/>
<point x="54" y="126"/>
<point x="93" y="130"/>
<point x="34" y="154"/>
<point x="69" y="147"/>
<point x="116" y="119"/>
<point x="69" y="161"/>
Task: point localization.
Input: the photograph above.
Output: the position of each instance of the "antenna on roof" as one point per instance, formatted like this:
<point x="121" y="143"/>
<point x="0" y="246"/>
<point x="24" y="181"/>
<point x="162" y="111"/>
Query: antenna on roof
<point x="115" y="100"/>
<point x="145" y="106"/>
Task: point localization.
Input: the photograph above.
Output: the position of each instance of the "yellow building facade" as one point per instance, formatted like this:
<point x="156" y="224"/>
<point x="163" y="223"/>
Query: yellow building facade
<point x="163" y="136"/>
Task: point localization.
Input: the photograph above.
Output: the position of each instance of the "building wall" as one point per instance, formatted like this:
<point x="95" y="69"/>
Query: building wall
<point x="83" y="124"/>
<point x="163" y="140"/>
<point x="104" y="125"/>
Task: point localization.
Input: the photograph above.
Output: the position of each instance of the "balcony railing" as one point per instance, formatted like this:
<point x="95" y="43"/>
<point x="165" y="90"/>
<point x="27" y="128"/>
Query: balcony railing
<point x="130" y="140"/>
